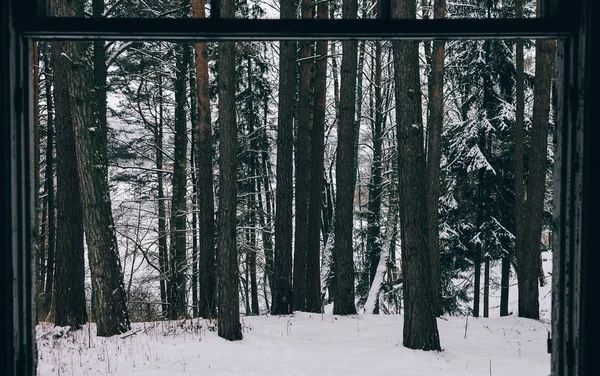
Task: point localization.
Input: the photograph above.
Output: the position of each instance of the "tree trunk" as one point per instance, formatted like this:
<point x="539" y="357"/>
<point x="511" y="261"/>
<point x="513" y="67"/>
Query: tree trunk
<point x="420" y="326"/>
<point x="375" y="188"/>
<point x="358" y="108"/>
<point x="519" y="180"/>
<point x="49" y="189"/>
<point x="267" y="214"/>
<point x="50" y="249"/>
<point x="36" y="161"/>
<point x="477" y="281"/>
<point x="252" y="193"/>
<point x="177" y="251"/>
<point x="504" y="286"/>
<point x="227" y="257"/>
<point x="194" y="169"/>
<point x="282" y="301"/>
<point x="528" y="257"/>
<point x="372" y="303"/>
<point x="313" y="265"/>
<point x="43" y="233"/>
<point x="262" y="215"/>
<point x="434" y="153"/>
<point x="87" y="93"/>
<point x="486" y="287"/>
<point x="162" y="212"/>
<point x="302" y="161"/>
<point x="204" y="156"/>
<point x="343" y="261"/>
<point x="69" y="307"/>
<point x="246" y="291"/>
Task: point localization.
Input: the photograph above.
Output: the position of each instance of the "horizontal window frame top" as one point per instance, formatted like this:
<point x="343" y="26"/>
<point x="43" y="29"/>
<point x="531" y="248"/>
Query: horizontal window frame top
<point x="207" y="29"/>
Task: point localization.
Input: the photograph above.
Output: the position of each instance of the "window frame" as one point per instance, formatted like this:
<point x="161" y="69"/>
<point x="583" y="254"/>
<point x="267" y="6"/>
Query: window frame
<point x="568" y="21"/>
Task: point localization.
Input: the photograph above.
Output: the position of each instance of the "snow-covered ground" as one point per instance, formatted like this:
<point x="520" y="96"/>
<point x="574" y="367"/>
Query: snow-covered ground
<point x="302" y="344"/>
<point x="307" y="344"/>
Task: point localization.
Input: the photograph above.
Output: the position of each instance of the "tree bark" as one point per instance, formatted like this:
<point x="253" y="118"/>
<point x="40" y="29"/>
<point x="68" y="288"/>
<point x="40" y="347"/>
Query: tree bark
<point x="253" y="181"/>
<point x="267" y="215"/>
<point x="162" y="212"/>
<point x="282" y="301"/>
<point x="343" y="261"/>
<point x="194" y="169"/>
<point x="519" y="180"/>
<point x="204" y="156"/>
<point x="229" y="326"/>
<point x="313" y="264"/>
<point x="420" y="326"/>
<point x="177" y="251"/>
<point x="302" y="161"/>
<point x="434" y="153"/>
<point x="69" y="307"/>
<point x="528" y="257"/>
<point x="87" y="93"/>
<point x="49" y="190"/>
<point x="36" y="161"/>
<point x="486" y="287"/>
<point x="504" y="286"/>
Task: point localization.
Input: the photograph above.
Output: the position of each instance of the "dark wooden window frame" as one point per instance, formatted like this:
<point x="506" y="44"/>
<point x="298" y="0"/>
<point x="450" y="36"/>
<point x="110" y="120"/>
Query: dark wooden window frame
<point x="574" y="250"/>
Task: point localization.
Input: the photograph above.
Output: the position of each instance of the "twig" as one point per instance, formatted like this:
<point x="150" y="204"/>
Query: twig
<point x="130" y="334"/>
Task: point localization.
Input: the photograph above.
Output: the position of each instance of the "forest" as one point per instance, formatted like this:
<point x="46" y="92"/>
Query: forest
<point x="222" y="180"/>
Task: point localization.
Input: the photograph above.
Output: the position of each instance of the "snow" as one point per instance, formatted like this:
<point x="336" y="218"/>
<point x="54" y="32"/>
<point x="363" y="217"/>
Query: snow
<point x="303" y="344"/>
<point x="306" y="344"/>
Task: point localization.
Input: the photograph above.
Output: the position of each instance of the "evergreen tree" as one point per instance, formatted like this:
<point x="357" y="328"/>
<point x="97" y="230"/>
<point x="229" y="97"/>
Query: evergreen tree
<point x="227" y="275"/>
<point x="343" y="261"/>
<point x="282" y="287"/>
<point x="420" y="326"/>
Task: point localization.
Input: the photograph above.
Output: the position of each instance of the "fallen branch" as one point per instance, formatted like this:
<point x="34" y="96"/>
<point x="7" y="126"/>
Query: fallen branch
<point x="130" y="334"/>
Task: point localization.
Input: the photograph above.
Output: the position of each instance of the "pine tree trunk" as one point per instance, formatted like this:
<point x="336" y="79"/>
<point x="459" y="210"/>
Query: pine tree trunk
<point x="87" y="93"/>
<point x="359" y="99"/>
<point x="51" y="245"/>
<point x="194" y="169"/>
<point x="504" y="286"/>
<point x="177" y="251"/>
<point x="528" y="257"/>
<point x="420" y="326"/>
<point x="247" y="311"/>
<point x="267" y="215"/>
<point x="343" y="261"/>
<point x="229" y="326"/>
<point x="48" y="184"/>
<point x="486" y="287"/>
<point x="282" y="301"/>
<point x="162" y="212"/>
<point x="375" y="188"/>
<point x="302" y="162"/>
<point x="48" y="258"/>
<point x="36" y="160"/>
<point x="69" y="307"/>
<point x="477" y="280"/>
<point x="317" y="148"/>
<point x="253" y="181"/>
<point x="326" y="256"/>
<point x="519" y="170"/>
<point x="204" y="156"/>
<point x="434" y="152"/>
